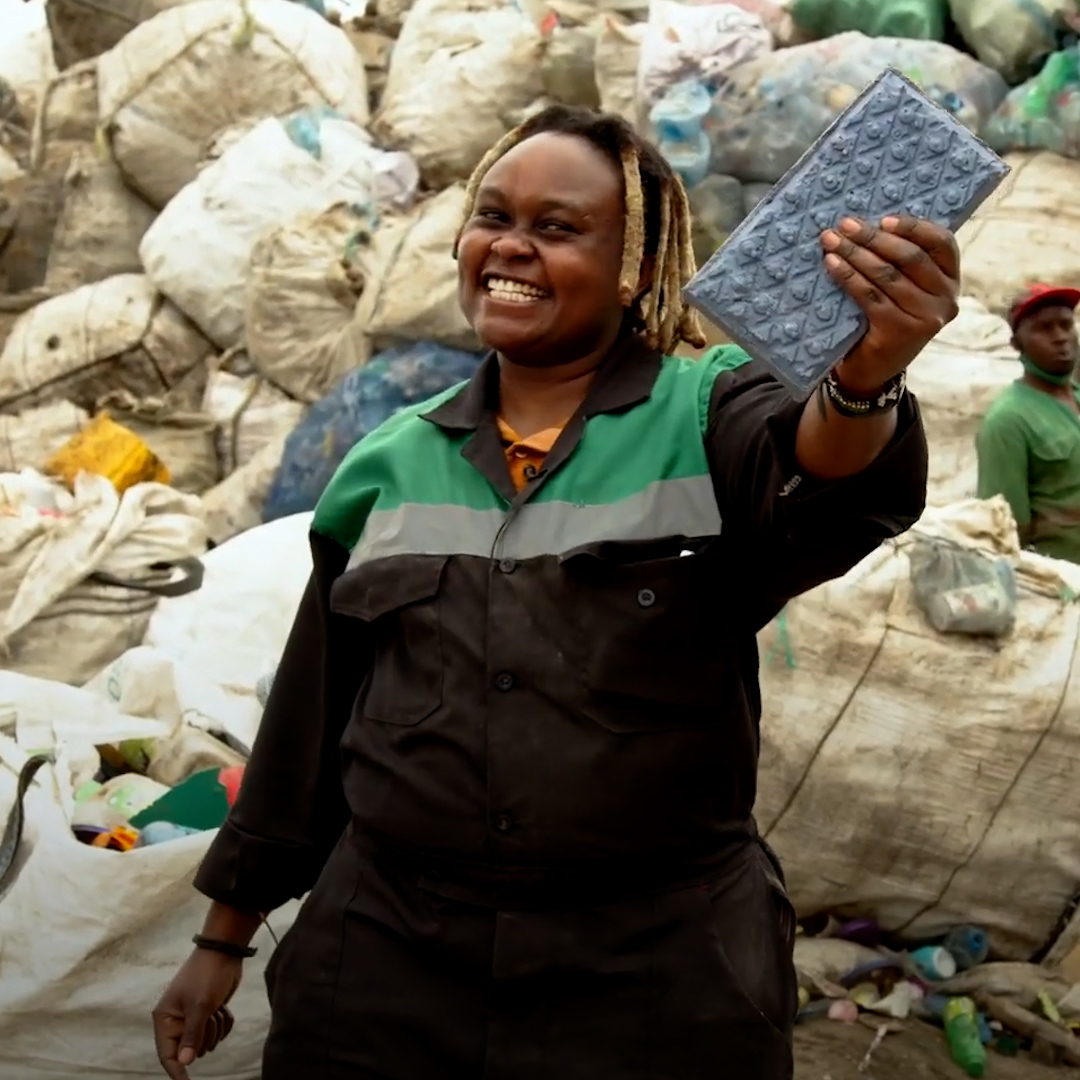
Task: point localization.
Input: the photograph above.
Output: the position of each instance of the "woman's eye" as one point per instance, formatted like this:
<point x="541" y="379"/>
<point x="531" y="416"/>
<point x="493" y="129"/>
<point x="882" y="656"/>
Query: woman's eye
<point x="491" y="215"/>
<point x="556" y="226"/>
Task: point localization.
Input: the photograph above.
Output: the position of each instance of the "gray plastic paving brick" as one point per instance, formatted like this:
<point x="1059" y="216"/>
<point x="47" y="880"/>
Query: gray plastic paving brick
<point x="893" y="151"/>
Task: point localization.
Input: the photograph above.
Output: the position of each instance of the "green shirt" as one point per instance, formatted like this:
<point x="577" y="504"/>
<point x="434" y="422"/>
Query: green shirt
<point x="1029" y="451"/>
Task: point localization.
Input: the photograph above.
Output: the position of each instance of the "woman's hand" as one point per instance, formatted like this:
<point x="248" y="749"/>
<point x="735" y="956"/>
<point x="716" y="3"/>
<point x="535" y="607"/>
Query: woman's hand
<point x="906" y="276"/>
<point x="191" y="1017"/>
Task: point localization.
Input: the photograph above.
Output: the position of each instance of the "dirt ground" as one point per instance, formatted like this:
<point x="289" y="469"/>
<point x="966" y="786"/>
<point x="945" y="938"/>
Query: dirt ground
<point x="825" y="1050"/>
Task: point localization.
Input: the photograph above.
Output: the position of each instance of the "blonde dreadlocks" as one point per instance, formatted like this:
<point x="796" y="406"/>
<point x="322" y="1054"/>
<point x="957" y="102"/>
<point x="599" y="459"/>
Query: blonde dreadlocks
<point x="657" y="218"/>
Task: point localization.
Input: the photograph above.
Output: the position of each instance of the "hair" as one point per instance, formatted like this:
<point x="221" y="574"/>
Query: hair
<point x="657" y="218"/>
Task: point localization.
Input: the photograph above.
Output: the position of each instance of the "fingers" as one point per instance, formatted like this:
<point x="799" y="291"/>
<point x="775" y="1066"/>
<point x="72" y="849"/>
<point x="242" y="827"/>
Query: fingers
<point x="191" y="1042"/>
<point x="217" y="1028"/>
<point x="937" y="242"/>
<point x="899" y="260"/>
<point x="880" y="269"/>
<point x="867" y="292"/>
<point x="181" y="1041"/>
<point x="168" y="1029"/>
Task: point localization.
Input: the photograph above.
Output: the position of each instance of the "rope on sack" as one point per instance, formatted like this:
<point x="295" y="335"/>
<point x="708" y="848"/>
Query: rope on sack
<point x="13" y="830"/>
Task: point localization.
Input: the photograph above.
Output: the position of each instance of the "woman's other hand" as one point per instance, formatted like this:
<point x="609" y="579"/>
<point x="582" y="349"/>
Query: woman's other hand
<point x="191" y="1018"/>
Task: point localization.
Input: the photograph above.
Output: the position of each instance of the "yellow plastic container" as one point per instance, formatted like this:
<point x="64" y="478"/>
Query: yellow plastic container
<point x="108" y="449"/>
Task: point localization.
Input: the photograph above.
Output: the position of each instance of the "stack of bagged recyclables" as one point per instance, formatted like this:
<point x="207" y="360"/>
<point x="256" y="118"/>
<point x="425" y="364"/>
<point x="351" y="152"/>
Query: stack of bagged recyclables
<point x="225" y="256"/>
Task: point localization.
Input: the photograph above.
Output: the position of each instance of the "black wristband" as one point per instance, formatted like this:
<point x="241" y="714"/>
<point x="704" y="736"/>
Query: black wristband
<point x="229" y="948"/>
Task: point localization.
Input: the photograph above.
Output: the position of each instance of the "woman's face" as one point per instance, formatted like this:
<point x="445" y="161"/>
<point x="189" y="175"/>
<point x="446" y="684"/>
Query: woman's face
<point x="539" y="260"/>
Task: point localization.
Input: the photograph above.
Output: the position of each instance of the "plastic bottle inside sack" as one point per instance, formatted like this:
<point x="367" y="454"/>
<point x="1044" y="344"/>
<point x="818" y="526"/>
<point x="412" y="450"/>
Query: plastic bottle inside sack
<point x="962" y="1033"/>
<point x="678" y="120"/>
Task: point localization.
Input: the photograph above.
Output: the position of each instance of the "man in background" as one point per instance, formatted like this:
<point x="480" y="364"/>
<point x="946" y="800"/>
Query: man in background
<point x="1029" y="443"/>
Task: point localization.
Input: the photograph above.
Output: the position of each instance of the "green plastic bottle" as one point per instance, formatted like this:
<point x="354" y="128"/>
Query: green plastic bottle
<point x="962" y="1033"/>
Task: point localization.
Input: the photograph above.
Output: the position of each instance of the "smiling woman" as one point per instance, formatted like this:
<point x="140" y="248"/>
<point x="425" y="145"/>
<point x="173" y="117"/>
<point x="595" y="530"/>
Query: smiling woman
<point x="602" y="182"/>
<point x="511" y="748"/>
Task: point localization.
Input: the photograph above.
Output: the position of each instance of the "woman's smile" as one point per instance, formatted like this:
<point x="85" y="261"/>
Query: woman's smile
<point x="507" y="290"/>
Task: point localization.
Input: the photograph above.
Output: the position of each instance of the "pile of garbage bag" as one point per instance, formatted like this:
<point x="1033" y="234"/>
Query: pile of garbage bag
<point x="213" y="215"/>
<point x="225" y="257"/>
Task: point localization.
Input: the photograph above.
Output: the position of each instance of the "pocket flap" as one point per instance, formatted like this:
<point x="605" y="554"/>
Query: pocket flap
<point x="377" y="588"/>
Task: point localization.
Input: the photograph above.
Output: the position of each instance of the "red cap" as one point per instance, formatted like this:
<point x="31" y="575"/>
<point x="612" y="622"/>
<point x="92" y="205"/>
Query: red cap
<point x="1039" y="296"/>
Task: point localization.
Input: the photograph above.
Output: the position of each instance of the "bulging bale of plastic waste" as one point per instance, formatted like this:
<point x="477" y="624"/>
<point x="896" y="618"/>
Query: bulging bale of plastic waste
<point x="120" y="924"/>
<point x="770" y="110"/>
<point x="100" y="226"/>
<point x="84" y="29"/>
<point x="236" y="504"/>
<point x="704" y="42"/>
<point x="199" y="250"/>
<point x="80" y="573"/>
<point x="1044" y="112"/>
<point x="28" y="440"/>
<point x="1011" y="36"/>
<point x="195" y="69"/>
<point x="617" y="52"/>
<point x="568" y="68"/>
<point x="1029" y="230"/>
<point x="392" y="381"/>
<point x="411" y="287"/>
<point x="233" y="630"/>
<point x="117" y="334"/>
<point x="300" y="298"/>
<point x="458" y="69"/>
<point x="66" y="124"/>
<point x="250" y="414"/>
<point x="878" y="804"/>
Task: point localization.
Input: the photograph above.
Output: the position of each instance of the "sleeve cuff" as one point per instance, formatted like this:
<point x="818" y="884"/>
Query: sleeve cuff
<point x="896" y="478"/>
<point x="252" y="874"/>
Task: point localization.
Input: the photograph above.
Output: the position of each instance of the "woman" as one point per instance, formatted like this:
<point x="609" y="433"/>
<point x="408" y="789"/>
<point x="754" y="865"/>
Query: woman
<point x="512" y="744"/>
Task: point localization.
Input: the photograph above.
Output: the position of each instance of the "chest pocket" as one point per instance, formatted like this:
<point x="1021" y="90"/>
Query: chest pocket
<point x="651" y="638"/>
<point x="1056" y="449"/>
<point x="399" y="597"/>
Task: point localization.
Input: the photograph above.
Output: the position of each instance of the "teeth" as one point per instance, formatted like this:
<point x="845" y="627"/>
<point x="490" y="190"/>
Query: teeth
<point x="514" y="291"/>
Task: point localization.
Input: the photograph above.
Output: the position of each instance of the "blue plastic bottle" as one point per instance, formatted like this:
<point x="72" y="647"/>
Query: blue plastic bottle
<point x="678" y="120"/>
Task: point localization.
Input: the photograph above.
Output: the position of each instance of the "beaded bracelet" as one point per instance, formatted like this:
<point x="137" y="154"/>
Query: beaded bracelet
<point x="884" y="400"/>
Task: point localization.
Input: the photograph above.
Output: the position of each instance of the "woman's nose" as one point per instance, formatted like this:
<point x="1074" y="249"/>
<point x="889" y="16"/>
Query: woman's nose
<point x="512" y="245"/>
